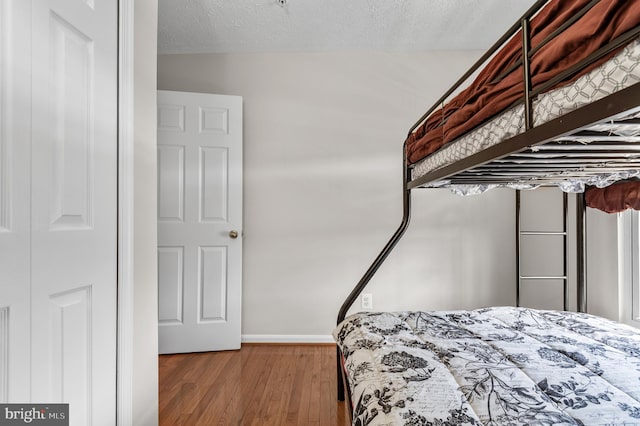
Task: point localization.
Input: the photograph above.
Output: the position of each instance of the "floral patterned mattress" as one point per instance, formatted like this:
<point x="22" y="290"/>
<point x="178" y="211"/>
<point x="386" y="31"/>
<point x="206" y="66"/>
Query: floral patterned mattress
<point x="493" y="366"/>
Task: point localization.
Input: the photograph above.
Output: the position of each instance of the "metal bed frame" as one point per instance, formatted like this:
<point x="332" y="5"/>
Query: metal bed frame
<point x="514" y="158"/>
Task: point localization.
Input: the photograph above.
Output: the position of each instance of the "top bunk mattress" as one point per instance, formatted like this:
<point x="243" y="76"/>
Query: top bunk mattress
<point x="621" y="71"/>
<point x="492" y="109"/>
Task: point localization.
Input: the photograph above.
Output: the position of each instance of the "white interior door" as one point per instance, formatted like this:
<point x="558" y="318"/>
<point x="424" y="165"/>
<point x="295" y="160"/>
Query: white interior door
<point x="15" y="201"/>
<point x="59" y="168"/>
<point x="199" y="221"/>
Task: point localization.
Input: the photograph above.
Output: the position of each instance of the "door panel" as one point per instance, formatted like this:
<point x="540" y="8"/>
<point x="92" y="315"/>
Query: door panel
<point x="74" y="207"/>
<point x="199" y="203"/>
<point x="170" y="284"/>
<point x="212" y="285"/>
<point x="214" y="184"/>
<point x="58" y="150"/>
<point x="15" y="201"/>
<point x="171" y="175"/>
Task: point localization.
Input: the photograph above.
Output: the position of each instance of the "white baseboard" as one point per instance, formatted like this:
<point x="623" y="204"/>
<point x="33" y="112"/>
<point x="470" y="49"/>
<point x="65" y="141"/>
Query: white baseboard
<point x="287" y="338"/>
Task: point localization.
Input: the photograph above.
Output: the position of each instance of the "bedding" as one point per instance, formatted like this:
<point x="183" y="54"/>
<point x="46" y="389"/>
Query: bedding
<point x="492" y="366"/>
<point x="621" y="71"/>
<point x="493" y="90"/>
<point x="615" y="198"/>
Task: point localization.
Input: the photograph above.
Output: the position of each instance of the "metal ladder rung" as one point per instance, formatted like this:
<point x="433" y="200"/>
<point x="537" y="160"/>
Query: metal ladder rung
<point x="524" y="277"/>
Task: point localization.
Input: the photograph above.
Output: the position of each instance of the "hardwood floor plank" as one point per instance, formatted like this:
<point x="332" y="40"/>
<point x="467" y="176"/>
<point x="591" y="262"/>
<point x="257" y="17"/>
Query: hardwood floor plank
<point x="206" y="377"/>
<point x="259" y="365"/>
<point x="258" y="385"/>
<point x="314" y="399"/>
<point x="327" y="408"/>
<point x="279" y="393"/>
<point x="295" y="403"/>
<point x="217" y="394"/>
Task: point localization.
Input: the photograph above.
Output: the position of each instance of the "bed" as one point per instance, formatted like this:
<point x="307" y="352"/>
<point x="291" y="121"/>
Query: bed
<point x="555" y="101"/>
<point x="501" y="365"/>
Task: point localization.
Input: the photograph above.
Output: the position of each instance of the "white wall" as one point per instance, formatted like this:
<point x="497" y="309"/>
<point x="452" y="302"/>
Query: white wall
<point x="602" y="264"/>
<point x="323" y="152"/>
<point x="145" y="331"/>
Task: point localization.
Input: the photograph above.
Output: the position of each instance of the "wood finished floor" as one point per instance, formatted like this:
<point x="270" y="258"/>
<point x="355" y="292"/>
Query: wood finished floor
<point x="257" y="385"/>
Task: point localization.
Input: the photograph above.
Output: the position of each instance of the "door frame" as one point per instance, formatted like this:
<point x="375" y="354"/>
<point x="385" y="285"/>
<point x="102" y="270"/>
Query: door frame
<point x="125" y="285"/>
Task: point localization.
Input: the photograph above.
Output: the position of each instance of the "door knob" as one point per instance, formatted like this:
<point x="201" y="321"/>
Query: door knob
<point x="233" y="234"/>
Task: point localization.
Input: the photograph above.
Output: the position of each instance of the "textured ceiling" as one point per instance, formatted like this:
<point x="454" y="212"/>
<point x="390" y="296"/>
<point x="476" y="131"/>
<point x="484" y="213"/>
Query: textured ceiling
<point x="223" y="26"/>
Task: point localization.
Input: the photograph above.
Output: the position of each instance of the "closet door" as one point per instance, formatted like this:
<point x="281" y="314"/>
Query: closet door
<point x="60" y="159"/>
<point x="15" y="201"/>
<point x="74" y="206"/>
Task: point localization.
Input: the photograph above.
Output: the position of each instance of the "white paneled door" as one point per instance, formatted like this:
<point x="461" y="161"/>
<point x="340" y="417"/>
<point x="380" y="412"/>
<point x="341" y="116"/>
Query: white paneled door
<point x="199" y="221"/>
<point x="58" y="205"/>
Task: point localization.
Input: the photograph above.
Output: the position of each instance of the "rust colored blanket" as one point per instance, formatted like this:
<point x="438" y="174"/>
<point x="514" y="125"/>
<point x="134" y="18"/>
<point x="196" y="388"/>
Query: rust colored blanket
<point x="615" y="198"/>
<point x="485" y="97"/>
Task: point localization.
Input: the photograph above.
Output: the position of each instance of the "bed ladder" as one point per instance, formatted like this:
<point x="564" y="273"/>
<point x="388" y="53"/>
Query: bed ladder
<point x="542" y="250"/>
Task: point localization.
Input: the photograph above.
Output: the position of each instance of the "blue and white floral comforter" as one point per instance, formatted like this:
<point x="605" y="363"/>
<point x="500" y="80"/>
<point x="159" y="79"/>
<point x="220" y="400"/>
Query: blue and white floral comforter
<point x="494" y="366"/>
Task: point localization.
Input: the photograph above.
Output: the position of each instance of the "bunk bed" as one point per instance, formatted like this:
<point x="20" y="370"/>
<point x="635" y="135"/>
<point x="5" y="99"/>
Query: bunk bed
<point x="555" y="101"/>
